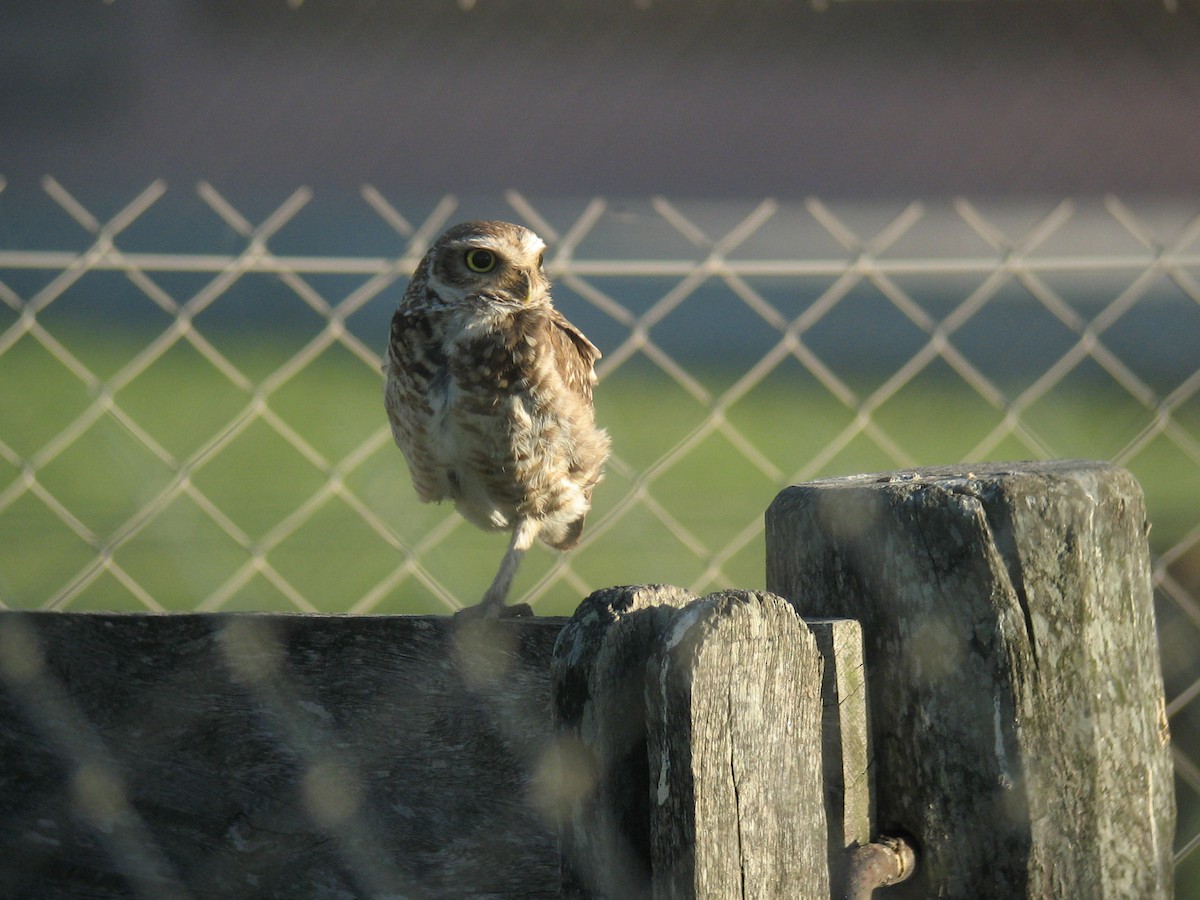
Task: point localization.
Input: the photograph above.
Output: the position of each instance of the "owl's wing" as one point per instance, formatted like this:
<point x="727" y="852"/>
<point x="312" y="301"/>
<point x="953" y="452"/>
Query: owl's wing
<point x="416" y="371"/>
<point x="413" y="349"/>
<point x="574" y="355"/>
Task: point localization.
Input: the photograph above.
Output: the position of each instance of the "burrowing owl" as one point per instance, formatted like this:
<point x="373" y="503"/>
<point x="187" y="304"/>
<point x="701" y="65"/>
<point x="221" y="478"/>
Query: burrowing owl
<point x="489" y="393"/>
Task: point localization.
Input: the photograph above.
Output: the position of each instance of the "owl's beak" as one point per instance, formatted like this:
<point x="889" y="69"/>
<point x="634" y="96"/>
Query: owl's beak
<point x="523" y="289"/>
<point x="535" y="285"/>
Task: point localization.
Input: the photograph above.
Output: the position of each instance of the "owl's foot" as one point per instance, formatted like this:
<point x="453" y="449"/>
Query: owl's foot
<point x="493" y="611"/>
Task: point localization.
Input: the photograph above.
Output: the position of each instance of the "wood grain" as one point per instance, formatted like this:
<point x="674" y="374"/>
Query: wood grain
<point x="1012" y="666"/>
<point x="734" y="741"/>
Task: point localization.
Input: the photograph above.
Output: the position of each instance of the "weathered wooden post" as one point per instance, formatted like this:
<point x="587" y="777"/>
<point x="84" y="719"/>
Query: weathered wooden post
<point x="1012" y="667"/>
<point x="708" y="739"/>
<point x="598" y="683"/>
<point x="734" y="744"/>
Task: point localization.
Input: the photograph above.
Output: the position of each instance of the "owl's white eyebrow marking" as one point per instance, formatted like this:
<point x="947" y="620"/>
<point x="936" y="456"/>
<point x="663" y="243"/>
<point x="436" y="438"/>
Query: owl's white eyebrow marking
<point x="531" y="244"/>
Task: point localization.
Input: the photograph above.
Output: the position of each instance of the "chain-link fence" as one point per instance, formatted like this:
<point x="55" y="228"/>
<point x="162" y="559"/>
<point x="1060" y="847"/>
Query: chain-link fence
<point x="191" y="417"/>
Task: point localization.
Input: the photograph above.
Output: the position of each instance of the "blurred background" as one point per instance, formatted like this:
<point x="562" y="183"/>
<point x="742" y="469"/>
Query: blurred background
<point x="810" y="239"/>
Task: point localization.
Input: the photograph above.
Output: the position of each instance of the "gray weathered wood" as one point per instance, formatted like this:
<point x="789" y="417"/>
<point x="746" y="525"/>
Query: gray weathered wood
<point x="846" y="740"/>
<point x="274" y="756"/>
<point x="1012" y="667"/>
<point x="734" y="739"/>
<point x="602" y="782"/>
<point x="608" y="670"/>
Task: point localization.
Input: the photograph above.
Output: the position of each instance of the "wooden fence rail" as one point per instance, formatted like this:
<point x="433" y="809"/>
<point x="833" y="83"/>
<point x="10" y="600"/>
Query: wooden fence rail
<point x="974" y="658"/>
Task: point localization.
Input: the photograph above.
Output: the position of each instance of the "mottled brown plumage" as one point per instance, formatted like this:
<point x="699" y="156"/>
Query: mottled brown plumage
<point x="489" y="394"/>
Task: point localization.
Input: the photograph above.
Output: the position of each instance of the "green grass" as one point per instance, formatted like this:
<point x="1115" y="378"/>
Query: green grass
<point x="260" y="478"/>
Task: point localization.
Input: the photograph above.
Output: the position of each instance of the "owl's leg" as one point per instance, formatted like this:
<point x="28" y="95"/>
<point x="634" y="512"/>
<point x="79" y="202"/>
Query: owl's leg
<point x="492" y="606"/>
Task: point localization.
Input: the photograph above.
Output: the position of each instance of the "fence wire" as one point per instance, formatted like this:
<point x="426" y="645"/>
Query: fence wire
<point x="779" y="269"/>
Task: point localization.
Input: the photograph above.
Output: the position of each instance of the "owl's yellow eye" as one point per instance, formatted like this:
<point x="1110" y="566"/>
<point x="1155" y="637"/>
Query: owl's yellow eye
<point x="481" y="261"/>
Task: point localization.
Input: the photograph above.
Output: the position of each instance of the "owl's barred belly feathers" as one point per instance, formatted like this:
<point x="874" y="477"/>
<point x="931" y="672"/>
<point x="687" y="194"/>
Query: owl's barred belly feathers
<point x="499" y="448"/>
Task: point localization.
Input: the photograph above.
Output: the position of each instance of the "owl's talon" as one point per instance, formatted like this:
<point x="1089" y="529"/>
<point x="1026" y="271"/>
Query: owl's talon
<point x="483" y="611"/>
<point x="475" y="613"/>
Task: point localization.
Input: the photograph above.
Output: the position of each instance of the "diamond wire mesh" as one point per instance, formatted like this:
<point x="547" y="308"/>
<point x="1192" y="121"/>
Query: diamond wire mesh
<point x="670" y="257"/>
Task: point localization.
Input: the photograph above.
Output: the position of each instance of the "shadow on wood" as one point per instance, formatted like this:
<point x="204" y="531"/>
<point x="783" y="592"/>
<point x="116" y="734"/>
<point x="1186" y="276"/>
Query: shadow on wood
<point x="273" y="756"/>
<point x="328" y="756"/>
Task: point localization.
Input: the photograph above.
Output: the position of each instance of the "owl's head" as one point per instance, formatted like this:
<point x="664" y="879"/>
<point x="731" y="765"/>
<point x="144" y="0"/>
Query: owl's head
<point x="489" y="262"/>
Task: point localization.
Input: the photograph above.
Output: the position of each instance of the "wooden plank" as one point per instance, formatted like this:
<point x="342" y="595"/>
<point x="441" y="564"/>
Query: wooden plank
<point x="273" y="756"/>
<point x="601" y="786"/>
<point x="734" y="741"/>
<point x="845" y="741"/>
<point x="1015" y="692"/>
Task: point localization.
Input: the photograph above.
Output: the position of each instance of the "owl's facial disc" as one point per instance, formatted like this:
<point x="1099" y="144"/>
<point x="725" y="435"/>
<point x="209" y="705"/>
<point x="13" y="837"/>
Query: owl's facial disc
<point x="512" y="273"/>
<point x="493" y="262"/>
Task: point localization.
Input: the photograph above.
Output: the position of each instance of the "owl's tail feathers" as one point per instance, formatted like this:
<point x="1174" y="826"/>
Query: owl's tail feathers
<point x="570" y="537"/>
<point x="524" y="533"/>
